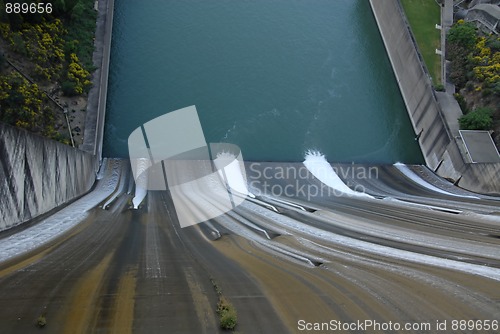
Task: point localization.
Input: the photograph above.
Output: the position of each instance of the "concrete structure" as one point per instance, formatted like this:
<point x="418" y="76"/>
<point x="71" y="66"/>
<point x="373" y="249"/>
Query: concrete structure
<point x="39" y="174"/>
<point x="96" y="108"/>
<point x="437" y="143"/>
<point x="486" y="16"/>
<point x="480" y="146"/>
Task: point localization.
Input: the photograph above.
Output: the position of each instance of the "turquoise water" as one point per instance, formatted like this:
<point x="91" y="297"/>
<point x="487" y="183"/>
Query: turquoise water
<point x="274" y="77"/>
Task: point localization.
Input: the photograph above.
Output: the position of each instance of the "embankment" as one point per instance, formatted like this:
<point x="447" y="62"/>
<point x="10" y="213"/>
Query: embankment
<point x="39" y="174"/>
<point x="438" y="146"/>
<point x="96" y="108"/>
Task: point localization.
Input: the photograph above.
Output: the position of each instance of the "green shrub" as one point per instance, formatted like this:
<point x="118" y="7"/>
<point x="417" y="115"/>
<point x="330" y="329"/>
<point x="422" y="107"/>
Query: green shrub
<point x="493" y="44"/>
<point x="469" y="86"/>
<point x="69" y="88"/>
<point x="461" y="102"/>
<point x="479" y="119"/>
<point x="486" y="92"/>
<point x="81" y="28"/>
<point x="228" y="319"/>
<point x="41" y="321"/>
<point x="18" y="44"/>
<point x="439" y="87"/>
<point x="463" y="34"/>
<point x="496" y="88"/>
<point x="227" y="314"/>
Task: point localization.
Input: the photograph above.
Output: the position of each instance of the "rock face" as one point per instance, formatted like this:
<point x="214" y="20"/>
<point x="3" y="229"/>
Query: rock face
<point x="38" y="174"/>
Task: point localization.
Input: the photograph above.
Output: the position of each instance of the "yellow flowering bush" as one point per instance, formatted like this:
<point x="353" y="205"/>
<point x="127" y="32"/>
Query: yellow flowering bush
<point x="486" y="62"/>
<point x="78" y="77"/>
<point x="43" y="43"/>
<point x="21" y="103"/>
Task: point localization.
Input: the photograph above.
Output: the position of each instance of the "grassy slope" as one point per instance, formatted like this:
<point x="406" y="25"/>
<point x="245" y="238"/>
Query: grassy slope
<point x="423" y="15"/>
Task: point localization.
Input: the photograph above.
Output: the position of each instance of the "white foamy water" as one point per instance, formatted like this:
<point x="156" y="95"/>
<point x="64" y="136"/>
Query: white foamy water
<point x="318" y="166"/>
<point x="141" y="182"/>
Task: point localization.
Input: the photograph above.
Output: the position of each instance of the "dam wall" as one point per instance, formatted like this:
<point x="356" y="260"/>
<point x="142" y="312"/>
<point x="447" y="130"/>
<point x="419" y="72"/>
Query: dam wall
<point x="96" y="107"/>
<point x="413" y="81"/>
<point x="39" y="174"/>
<point x="481" y="177"/>
<point x="439" y="148"/>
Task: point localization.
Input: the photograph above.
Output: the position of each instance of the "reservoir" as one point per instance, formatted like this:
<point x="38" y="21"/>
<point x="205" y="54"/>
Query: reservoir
<point x="277" y="78"/>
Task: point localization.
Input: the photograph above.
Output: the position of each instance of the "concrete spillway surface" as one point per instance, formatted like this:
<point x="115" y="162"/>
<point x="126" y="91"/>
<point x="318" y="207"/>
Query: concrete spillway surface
<point x="278" y="258"/>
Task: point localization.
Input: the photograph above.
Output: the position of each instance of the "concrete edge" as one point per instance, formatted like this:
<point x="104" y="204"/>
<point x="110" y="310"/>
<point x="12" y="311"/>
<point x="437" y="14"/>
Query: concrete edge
<point x="96" y="107"/>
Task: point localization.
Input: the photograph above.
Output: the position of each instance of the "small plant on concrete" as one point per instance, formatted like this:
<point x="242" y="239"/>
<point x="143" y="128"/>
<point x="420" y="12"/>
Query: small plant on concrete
<point x="227" y="314"/>
<point x="439" y="87"/>
<point x="41" y="321"/>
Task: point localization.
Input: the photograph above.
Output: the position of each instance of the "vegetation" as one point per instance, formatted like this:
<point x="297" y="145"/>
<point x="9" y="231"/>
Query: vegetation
<point x="478" y="119"/>
<point x="486" y="63"/>
<point x="78" y="18"/>
<point x="475" y="70"/>
<point x="423" y="15"/>
<point x="227" y="312"/>
<point x="41" y="321"/>
<point x="460" y="44"/>
<point x="78" y="77"/>
<point x="475" y="60"/>
<point x="21" y="103"/>
<point x="461" y="102"/>
<point x="42" y="43"/>
<point x="57" y="49"/>
<point x="462" y="34"/>
<point x="439" y="87"/>
<point x="81" y="29"/>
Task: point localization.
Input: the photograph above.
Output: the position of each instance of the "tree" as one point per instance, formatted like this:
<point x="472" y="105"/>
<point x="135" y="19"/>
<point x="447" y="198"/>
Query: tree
<point x="463" y="34"/>
<point x="458" y="64"/>
<point x="4" y="17"/>
<point x="461" y="43"/>
<point x="479" y="119"/>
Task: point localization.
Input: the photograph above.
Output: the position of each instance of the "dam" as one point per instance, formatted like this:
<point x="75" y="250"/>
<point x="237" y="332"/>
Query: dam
<point x="313" y="244"/>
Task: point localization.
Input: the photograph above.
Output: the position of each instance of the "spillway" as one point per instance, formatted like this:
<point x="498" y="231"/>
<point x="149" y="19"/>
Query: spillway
<point x="295" y="247"/>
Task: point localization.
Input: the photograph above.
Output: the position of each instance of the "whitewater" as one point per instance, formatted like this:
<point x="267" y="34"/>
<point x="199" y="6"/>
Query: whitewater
<point x="318" y="166"/>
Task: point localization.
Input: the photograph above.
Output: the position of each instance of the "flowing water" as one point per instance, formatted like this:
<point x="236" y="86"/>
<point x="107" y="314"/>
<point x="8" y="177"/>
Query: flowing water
<point x="276" y="78"/>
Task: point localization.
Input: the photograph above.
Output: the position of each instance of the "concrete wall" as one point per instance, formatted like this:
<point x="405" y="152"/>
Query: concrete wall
<point x="96" y="107"/>
<point x="413" y="81"/>
<point x="38" y="174"/>
<point x="438" y="146"/>
<point x="481" y="177"/>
